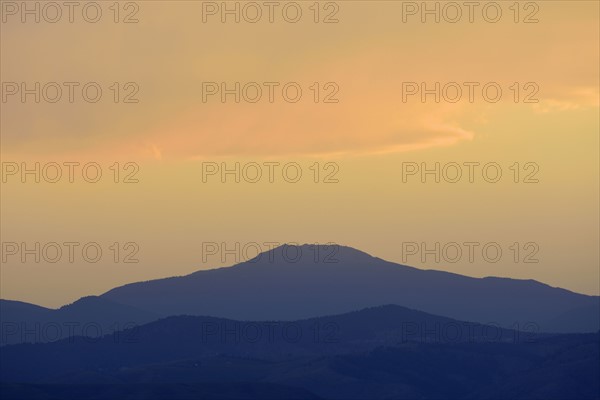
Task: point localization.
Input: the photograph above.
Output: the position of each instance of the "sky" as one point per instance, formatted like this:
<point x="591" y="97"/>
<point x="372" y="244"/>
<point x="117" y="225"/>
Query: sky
<point x="345" y="97"/>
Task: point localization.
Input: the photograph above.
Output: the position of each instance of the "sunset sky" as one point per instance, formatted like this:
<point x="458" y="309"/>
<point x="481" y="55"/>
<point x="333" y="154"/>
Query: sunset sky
<point x="369" y="134"/>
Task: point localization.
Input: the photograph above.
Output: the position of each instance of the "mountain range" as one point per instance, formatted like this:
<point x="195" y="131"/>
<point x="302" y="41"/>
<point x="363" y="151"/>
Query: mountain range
<point x="304" y="322"/>
<point x="299" y="282"/>
<point x="380" y="353"/>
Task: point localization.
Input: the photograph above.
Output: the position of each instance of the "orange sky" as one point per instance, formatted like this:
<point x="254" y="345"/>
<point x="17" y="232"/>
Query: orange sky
<point x="363" y="62"/>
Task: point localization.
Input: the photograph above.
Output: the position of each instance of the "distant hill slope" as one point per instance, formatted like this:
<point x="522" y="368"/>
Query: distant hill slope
<point x="272" y="286"/>
<point x="184" y="337"/>
<point x="90" y="316"/>
<point x="381" y="352"/>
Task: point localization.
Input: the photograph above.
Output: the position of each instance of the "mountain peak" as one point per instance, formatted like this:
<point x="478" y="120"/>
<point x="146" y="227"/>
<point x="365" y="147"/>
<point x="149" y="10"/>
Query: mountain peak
<point x="310" y="253"/>
<point x="300" y="281"/>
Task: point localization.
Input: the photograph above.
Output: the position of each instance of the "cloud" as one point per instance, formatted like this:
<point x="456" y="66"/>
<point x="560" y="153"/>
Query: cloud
<point x="368" y="65"/>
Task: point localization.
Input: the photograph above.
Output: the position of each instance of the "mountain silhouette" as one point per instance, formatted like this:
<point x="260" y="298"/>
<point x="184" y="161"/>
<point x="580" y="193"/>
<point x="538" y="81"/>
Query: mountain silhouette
<point x="89" y="316"/>
<point x="295" y="282"/>
<point x="299" y="282"/>
<point x="380" y="352"/>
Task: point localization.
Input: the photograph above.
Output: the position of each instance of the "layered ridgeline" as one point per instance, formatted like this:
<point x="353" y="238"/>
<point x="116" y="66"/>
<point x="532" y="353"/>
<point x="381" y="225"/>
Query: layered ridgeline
<point x="293" y="282"/>
<point x="381" y="352"/>
<point x="90" y="316"/>
<point x="296" y="282"/>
